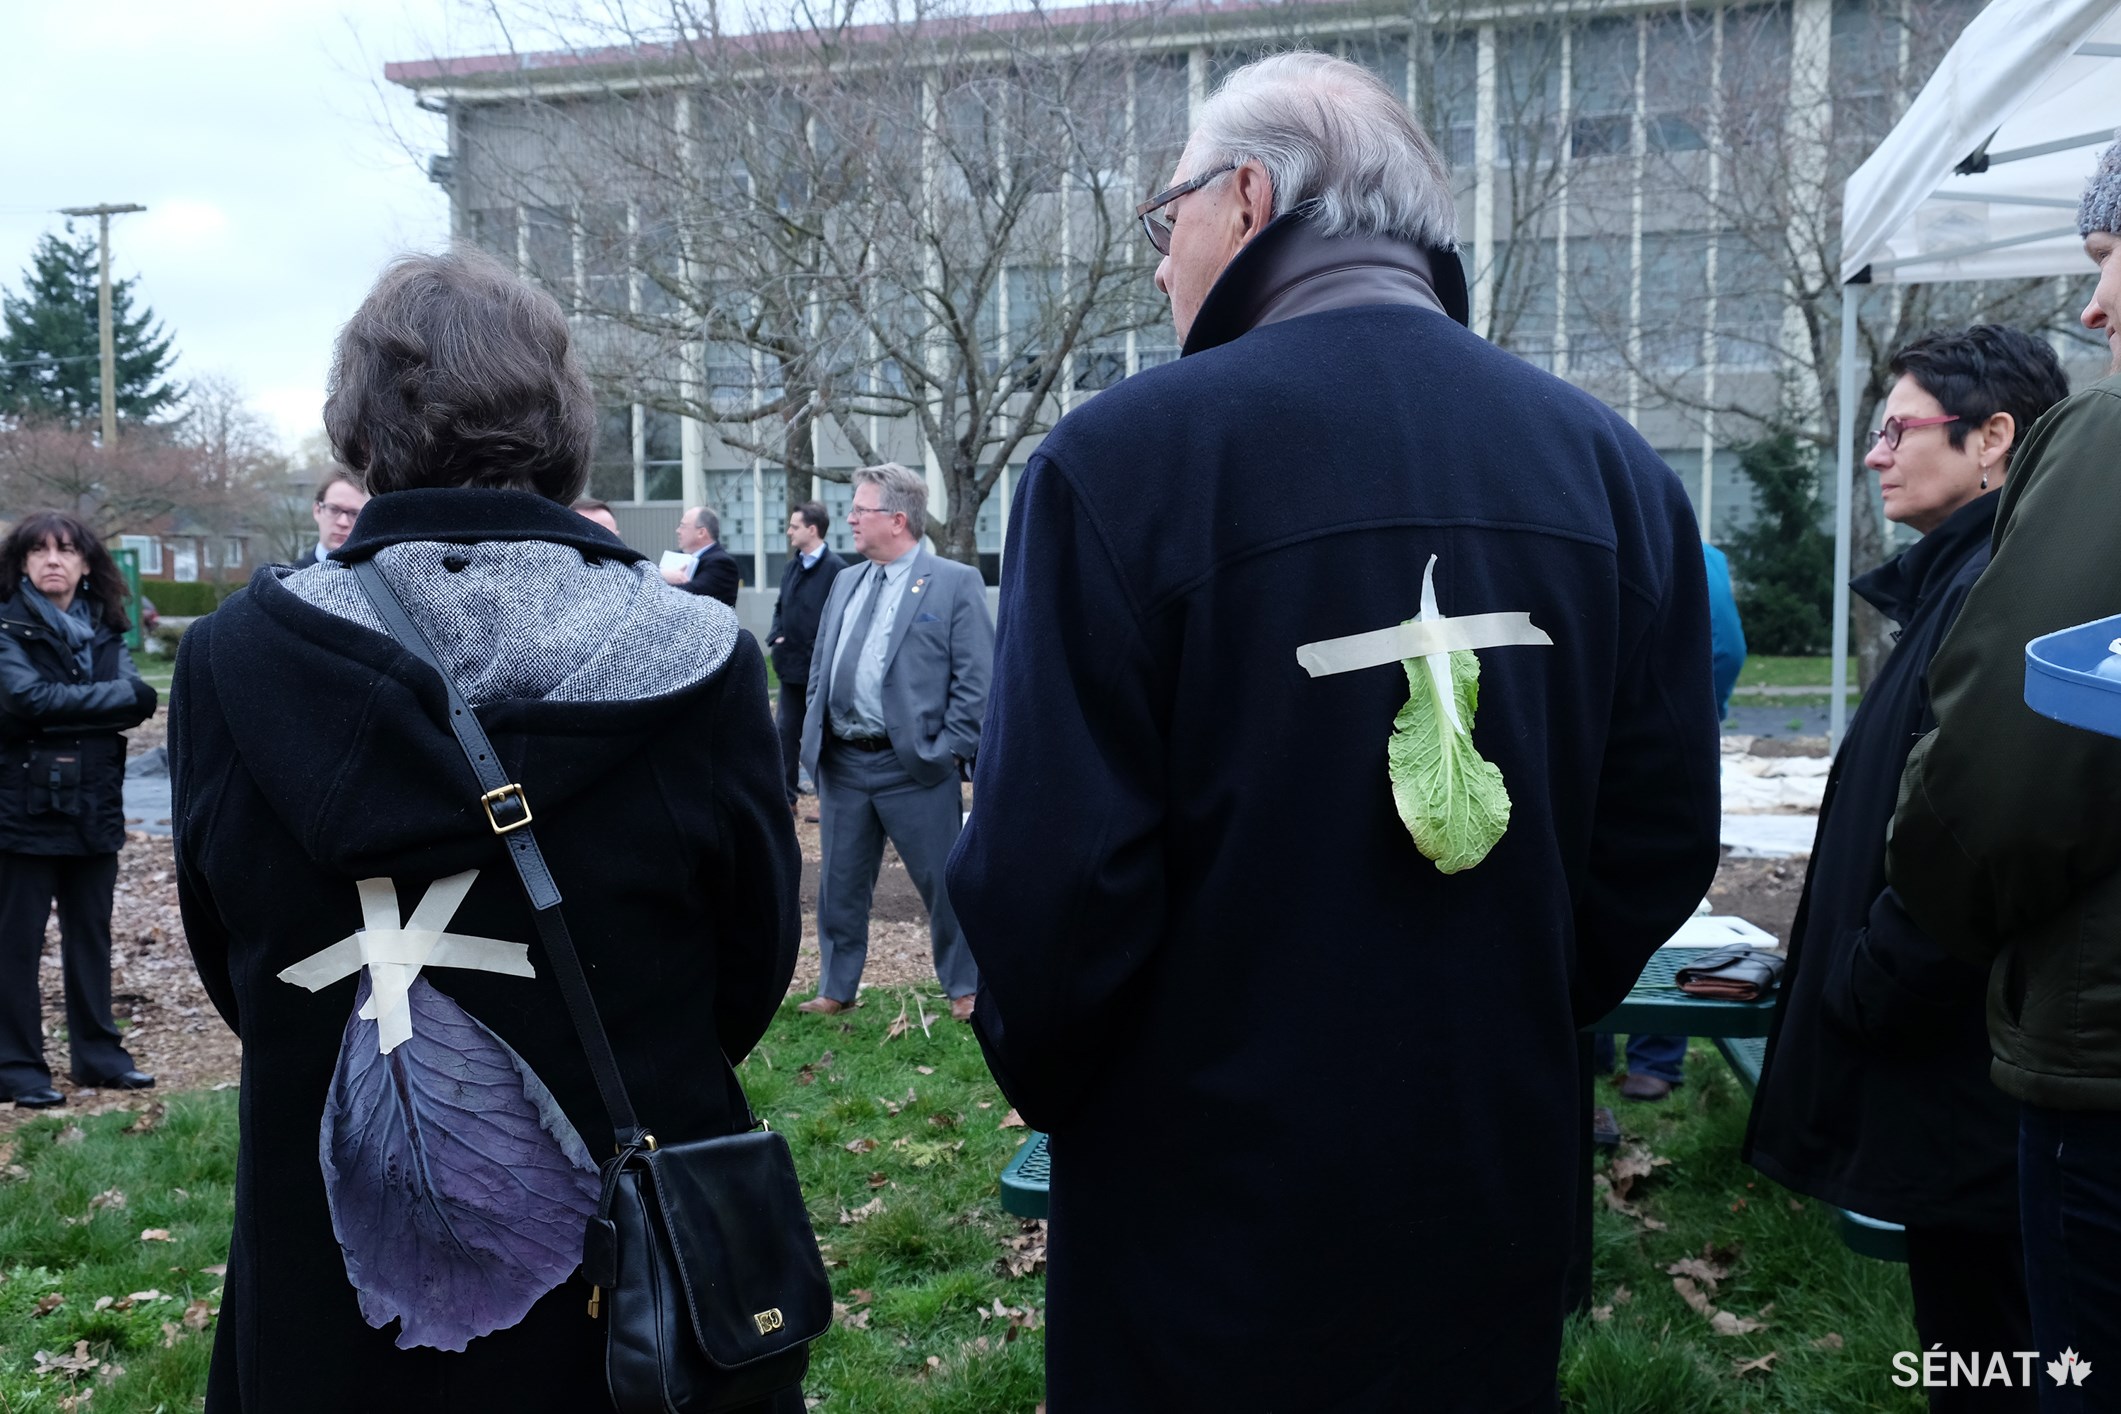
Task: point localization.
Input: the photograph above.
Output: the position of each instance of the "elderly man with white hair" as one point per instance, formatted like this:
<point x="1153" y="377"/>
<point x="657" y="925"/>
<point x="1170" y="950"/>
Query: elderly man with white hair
<point x="1289" y="916"/>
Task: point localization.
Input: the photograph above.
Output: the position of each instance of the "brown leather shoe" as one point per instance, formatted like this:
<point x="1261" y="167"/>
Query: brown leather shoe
<point x="961" y="1007"/>
<point x="1643" y="1087"/>
<point x="823" y="1006"/>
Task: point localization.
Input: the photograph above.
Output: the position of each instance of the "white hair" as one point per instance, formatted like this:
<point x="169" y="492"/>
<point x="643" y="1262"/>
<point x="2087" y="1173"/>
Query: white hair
<point x="1336" y="143"/>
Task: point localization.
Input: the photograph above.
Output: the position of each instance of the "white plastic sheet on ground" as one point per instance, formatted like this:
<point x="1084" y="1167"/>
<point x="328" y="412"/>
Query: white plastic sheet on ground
<point x="1754" y="785"/>
<point x="1769" y="836"/>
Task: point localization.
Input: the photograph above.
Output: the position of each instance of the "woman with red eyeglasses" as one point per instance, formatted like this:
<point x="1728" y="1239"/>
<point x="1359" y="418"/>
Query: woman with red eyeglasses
<point x="1876" y="1095"/>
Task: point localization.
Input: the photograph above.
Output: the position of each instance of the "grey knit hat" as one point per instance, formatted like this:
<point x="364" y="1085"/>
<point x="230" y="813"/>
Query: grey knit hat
<point x="2101" y="208"/>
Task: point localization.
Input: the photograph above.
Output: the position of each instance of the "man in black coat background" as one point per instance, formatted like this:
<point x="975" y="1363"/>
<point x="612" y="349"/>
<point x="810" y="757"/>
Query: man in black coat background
<point x="1216" y="968"/>
<point x="805" y="581"/>
<point x="714" y="570"/>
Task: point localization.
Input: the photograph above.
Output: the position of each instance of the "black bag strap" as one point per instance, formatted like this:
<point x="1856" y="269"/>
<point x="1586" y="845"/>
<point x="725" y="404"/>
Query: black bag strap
<point x="508" y="812"/>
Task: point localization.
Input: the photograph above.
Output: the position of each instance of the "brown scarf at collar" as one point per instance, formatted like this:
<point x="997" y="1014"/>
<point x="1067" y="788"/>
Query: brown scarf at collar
<point x="1289" y="270"/>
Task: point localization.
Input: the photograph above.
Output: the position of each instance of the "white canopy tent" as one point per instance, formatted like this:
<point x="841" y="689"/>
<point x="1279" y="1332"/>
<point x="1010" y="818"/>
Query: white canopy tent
<point x="1979" y="181"/>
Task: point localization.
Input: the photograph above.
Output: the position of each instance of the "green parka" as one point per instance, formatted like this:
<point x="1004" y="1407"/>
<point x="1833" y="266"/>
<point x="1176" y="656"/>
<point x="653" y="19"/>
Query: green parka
<point x="2006" y="846"/>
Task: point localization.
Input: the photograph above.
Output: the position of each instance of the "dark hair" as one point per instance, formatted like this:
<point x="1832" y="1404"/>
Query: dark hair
<point x="105" y="586"/>
<point x="453" y="372"/>
<point x="1977" y="372"/>
<point x="334" y="477"/>
<point x="704" y="518"/>
<point x="814" y="514"/>
<point x="589" y="503"/>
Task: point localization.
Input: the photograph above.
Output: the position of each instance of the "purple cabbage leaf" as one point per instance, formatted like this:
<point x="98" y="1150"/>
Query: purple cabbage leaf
<point x="459" y="1191"/>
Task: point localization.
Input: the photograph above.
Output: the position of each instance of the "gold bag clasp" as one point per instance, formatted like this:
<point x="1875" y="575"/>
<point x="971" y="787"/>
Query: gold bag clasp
<point x="768" y="1320"/>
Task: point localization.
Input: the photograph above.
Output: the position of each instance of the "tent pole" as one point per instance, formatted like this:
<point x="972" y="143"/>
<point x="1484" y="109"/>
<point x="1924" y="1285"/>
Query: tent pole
<point x="1844" y="496"/>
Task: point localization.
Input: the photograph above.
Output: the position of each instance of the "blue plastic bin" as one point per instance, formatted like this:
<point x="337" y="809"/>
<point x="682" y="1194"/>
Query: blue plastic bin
<point x="2060" y="681"/>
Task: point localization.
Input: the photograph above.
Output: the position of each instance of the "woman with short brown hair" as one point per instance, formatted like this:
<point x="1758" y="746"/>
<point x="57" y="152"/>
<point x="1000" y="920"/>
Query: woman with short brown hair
<point x="418" y="1156"/>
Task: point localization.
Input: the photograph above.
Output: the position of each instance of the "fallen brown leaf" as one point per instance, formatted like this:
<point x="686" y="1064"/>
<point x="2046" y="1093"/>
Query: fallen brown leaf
<point x="877" y="1180"/>
<point x="72" y="1134"/>
<point x="1621" y="1295"/>
<point x="1764" y="1365"/>
<point x="1012" y="1120"/>
<point x="155" y="1234"/>
<point x="148" y="1119"/>
<point x="196" y="1314"/>
<point x="1601" y="1314"/>
<point x="48" y="1304"/>
<point x="1696" y="1302"/>
<point x="860" y="1146"/>
<point x="868" y="1210"/>
<point x="924" y="1070"/>
<point x="1724" y="1323"/>
<point x="1706" y="1272"/>
<point x="1830" y="1341"/>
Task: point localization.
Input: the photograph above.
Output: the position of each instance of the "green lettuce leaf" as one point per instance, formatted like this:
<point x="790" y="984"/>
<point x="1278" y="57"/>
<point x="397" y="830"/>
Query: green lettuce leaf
<point x="1451" y="799"/>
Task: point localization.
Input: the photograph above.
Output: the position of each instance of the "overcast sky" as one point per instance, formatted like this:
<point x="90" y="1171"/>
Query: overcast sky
<point x="258" y="135"/>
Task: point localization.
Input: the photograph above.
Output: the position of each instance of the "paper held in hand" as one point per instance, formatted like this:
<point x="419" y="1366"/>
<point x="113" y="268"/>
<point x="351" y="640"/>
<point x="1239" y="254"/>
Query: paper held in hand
<point x="676" y="560"/>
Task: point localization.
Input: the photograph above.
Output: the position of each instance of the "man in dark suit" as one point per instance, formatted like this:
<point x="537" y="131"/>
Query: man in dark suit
<point x="714" y="572"/>
<point x="805" y="582"/>
<point x="896" y="701"/>
<point x="1240" y="857"/>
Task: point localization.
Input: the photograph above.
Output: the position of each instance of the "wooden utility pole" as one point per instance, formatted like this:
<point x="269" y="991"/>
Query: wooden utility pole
<point x="103" y="214"/>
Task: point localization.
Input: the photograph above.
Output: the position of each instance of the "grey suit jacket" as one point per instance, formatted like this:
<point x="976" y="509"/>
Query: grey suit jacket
<point x="935" y="675"/>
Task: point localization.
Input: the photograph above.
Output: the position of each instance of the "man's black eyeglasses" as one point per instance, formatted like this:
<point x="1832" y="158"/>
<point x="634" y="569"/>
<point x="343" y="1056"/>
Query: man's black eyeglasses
<point x="1154" y="225"/>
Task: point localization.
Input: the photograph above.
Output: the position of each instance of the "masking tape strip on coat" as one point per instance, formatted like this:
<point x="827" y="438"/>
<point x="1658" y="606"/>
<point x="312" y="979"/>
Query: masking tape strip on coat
<point x="1418" y="640"/>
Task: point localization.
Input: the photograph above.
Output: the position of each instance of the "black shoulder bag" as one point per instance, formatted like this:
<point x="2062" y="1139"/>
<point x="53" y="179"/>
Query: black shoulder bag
<point x="700" y="1255"/>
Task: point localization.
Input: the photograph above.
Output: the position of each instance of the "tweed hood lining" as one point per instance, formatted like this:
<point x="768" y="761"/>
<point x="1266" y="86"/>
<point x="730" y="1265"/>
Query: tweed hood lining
<point x="530" y="619"/>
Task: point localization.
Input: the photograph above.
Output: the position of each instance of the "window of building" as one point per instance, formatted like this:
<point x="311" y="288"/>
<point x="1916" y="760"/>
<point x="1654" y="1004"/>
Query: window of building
<point x="1675" y="293"/>
<point x="149" y="549"/>
<point x="184" y="558"/>
<point x="1161" y="117"/>
<point x="1455" y="96"/>
<point x="1600" y="270"/>
<point x="605" y="250"/>
<point x="663" y="468"/>
<point x="548" y="242"/>
<point x="1384" y="55"/>
<point x="611" y="473"/>
<point x="1863" y="68"/>
<point x="1602" y="89"/>
<point x="234" y="551"/>
<point x="1528" y="94"/>
<point x="1678" y="57"/>
<point x="493" y="230"/>
<point x="1522" y="278"/>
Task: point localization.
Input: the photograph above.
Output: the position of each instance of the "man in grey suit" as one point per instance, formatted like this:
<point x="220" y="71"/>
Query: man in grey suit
<point x="898" y="689"/>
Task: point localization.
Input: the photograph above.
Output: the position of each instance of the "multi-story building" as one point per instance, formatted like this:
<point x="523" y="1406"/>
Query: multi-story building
<point x="1648" y="199"/>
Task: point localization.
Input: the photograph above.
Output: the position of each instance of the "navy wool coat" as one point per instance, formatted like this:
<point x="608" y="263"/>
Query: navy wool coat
<point x="1314" y="1105"/>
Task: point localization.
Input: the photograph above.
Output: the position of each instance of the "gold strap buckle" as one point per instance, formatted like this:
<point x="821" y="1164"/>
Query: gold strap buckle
<point x="507" y="793"/>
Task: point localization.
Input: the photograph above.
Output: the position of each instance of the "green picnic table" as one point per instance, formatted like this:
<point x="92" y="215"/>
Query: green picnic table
<point x="1654" y="1007"/>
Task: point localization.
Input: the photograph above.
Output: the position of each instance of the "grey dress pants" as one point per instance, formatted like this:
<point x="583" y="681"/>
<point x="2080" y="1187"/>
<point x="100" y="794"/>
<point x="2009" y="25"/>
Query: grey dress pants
<point x="863" y="798"/>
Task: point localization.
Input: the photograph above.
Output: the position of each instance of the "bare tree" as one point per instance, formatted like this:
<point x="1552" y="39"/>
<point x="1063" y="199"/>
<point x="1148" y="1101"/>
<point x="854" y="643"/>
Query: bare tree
<point x="1748" y="127"/>
<point x="147" y="477"/>
<point x="834" y="242"/>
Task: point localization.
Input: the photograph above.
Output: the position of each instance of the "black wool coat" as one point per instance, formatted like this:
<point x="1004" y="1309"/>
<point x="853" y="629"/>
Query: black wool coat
<point x="1876" y="1093"/>
<point x="796" y="613"/>
<point x="62" y="758"/>
<point x="715" y="574"/>
<point x="1314" y="1105"/>
<point x="311" y="752"/>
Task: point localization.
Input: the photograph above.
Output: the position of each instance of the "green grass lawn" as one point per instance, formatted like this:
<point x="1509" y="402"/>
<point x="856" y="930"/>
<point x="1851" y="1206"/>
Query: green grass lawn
<point x="897" y="1133"/>
<point x="1769" y="671"/>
